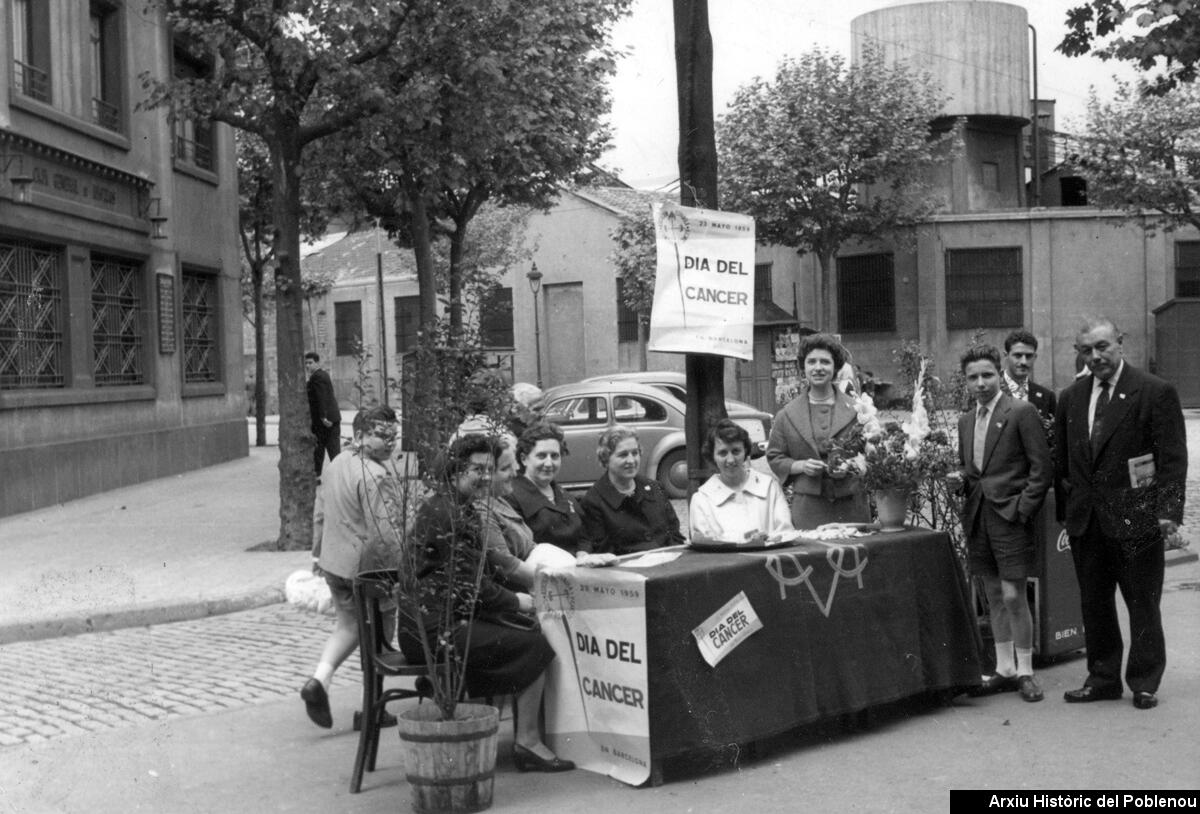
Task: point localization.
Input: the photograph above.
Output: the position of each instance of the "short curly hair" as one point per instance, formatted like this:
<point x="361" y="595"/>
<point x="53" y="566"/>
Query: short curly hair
<point x="541" y="431"/>
<point x="823" y="342"/>
<point x="611" y="439"/>
<point x="456" y="458"/>
<point x="728" y="432"/>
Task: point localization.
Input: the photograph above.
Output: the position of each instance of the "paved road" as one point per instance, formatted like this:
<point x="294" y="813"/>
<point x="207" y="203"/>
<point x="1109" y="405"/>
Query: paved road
<point x="57" y="688"/>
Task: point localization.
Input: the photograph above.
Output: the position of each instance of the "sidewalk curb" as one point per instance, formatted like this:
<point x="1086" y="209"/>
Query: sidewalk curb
<point x="135" y="616"/>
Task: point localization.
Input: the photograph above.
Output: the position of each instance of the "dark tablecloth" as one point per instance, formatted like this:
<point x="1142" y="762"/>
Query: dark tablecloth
<point x="828" y="646"/>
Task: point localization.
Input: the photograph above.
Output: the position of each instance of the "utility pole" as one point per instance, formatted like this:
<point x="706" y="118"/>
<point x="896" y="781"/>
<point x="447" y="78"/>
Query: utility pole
<point x="697" y="187"/>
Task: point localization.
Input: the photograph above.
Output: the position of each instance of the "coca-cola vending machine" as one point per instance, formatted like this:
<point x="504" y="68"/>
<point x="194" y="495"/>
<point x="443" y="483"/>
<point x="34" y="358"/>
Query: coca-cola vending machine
<point x="1053" y="590"/>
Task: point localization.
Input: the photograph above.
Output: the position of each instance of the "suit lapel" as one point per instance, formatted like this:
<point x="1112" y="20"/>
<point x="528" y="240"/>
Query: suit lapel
<point x="996" y="421"/>
<point x="803" y="422"/>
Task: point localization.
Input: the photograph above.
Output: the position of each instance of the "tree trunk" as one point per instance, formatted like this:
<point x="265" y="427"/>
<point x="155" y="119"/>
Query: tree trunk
<point x="422" y="238"/>
<point x="260" y="363"/>
<point x="825" y="310"/>
<point x="457" y="244"/>
<point x="697" y="187"/>
<point x="297" y="481"/>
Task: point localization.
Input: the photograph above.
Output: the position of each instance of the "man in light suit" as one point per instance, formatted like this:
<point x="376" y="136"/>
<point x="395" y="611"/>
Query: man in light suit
<point x="324" y="413"/>
<point x="1120" y="467"/>
<point x="1020" y="352"/>
<point x="1005" y="474"/>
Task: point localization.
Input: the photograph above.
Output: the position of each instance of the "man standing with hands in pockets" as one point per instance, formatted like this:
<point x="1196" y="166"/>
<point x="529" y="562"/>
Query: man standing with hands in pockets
<point x="1120" y="467"/>
<point x="1005" y="472"/>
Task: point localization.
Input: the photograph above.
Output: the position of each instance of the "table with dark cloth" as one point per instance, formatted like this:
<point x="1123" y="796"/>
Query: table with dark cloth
<point x="846" y="626"/>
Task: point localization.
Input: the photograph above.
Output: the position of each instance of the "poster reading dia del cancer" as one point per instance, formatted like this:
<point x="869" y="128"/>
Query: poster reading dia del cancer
<point x="704" y="285"/>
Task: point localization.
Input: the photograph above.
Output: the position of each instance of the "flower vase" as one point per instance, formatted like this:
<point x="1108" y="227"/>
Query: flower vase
<point x="891" y="506"/>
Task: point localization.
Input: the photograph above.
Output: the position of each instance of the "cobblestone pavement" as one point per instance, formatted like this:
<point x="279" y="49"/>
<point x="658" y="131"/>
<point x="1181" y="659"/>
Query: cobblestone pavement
<point x="57" y="688"/>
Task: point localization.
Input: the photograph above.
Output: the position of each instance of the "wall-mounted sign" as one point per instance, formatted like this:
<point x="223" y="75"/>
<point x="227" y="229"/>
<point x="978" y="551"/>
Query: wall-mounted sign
<point x="166" y="313"/>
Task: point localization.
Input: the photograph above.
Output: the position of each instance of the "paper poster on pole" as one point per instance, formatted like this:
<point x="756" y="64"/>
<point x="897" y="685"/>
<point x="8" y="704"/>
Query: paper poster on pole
<point x="704" y="286"/>
<point x="597" y="688"/>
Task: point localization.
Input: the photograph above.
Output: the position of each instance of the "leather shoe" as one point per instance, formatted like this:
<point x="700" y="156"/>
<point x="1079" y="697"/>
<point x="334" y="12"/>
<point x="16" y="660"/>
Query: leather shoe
<point x="316" y="703"/>
<point x="1145" y="700"/>
<point x="995" y="683"/>
<point x="386" y="720"/>
<point x="1087" y="694"/>
<point x="1029" y="689"/>
<point x="528" y="761"/>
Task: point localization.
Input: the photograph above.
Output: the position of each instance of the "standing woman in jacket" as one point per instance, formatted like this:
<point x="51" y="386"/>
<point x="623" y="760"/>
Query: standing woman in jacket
<point x="804" y="434"/>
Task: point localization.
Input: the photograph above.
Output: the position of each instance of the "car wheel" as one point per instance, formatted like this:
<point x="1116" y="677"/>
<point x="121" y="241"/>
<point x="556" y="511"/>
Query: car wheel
<point x="673" y="474"/>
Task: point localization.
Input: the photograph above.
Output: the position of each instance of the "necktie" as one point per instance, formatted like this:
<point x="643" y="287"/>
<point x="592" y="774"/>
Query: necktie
<point x="1098" y="415"/>
<point x="980" y="437"/>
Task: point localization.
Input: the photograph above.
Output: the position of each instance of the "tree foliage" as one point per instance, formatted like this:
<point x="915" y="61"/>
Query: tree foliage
<point x="1167" y="37"/>
<point x="1142" y="154"/>
<point x="825" y="152"/>
<point x="507" y="105"/>
<point x="291" y="72"/>
<point x="635" y="256"/>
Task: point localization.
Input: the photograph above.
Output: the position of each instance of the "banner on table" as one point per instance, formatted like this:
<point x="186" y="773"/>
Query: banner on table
<point x="704" y="285"/>
<point x="718" y="635"/>
<point x="596" y="709"/>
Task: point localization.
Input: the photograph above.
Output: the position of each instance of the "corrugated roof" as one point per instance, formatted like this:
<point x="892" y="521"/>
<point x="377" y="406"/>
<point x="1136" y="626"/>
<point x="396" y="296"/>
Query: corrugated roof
<point x="353" y="257"/>
<point x="623" y="200"/>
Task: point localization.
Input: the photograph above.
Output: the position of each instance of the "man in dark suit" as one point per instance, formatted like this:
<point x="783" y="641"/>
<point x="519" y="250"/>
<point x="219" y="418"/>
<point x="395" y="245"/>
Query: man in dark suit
<point x="323" y="410"/>
<point x="1020" y="352"/>
<point x="1005" y="472"/>
<point x="1120" y="467"/>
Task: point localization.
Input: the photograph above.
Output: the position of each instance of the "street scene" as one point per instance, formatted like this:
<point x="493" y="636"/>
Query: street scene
<point x="459" y="405"/>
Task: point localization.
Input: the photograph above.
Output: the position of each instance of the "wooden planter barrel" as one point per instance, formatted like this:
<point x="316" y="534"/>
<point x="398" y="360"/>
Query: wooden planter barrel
<point x="450" y="764"/>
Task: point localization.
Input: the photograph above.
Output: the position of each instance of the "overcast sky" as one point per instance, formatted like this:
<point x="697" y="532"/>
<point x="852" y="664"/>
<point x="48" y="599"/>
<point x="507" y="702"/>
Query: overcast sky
<point x="750" y="37"/>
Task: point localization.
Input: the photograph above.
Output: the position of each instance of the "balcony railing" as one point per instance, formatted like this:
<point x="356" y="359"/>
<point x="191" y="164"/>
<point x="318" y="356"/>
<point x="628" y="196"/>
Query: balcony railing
<point x="31" y="81"/>
<point x="107" y="115"/>
<point x="196" y="153"/>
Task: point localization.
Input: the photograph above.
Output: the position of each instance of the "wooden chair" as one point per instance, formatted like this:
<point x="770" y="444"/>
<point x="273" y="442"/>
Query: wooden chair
<point x="380" y="660"/>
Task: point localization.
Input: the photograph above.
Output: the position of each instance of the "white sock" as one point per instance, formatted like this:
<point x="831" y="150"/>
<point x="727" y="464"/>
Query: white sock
<point x="324" y="673"/>
<point x="1024" y="661"/>
<point x="1004" y="659"/>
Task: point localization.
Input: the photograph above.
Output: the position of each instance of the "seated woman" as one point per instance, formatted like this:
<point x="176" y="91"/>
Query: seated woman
<point x="550" y="513"/>
<point x="738" y="504"/>
<point x="624" y="512"/>
<point x="805" y="433"/>
<point x="502" y="659"/>
<point x="507" y="539"/>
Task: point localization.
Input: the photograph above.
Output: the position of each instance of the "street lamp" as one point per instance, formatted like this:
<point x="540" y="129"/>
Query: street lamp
<point x="535" y="285"/>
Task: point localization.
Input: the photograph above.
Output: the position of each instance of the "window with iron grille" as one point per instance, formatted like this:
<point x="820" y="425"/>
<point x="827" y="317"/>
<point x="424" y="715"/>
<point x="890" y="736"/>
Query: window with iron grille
<point x="106" y="74"/>
<point x="496" y="318"/>
<point x="31" y="48"/>
<point x="194" y="138"/>
<point x="201" y="358"/>
<point x="984" y="288"/>
<point x="408" y="322"/>
<point x="1187" y="268"/>
<point x="31" y="316"/>
<point x="627" y="318"/>
<point x="118" y="332"/>
<point x="866" y="293"/>
<point x="347" y="327"/>
<point x="762" y="283"/>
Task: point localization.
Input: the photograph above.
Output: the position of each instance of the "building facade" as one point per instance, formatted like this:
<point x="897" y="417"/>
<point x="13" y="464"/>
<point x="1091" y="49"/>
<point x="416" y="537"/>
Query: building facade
<point x="120" y="317"/>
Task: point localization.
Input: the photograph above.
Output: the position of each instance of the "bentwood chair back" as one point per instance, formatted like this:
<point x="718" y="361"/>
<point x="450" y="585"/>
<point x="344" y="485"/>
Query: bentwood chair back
<point x="373" y="592"/>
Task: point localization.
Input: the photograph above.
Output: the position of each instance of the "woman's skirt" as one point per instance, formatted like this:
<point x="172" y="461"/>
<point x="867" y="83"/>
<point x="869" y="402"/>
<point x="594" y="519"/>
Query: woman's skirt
<point x="810" y="511"/>
<point x="501" y="660"/>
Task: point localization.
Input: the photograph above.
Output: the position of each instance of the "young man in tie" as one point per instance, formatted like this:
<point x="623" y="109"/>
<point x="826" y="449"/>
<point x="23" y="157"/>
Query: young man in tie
<point x="1005" y="472"/>
<point x="1020" y="352"/>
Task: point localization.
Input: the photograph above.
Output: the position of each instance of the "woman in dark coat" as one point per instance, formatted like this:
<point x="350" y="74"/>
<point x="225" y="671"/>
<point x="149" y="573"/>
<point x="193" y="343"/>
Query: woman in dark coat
<point x="624" y="512"/>
<point x="550" y="513"/>
<point x="502" y="659"/>
<point x="806" y="432"/>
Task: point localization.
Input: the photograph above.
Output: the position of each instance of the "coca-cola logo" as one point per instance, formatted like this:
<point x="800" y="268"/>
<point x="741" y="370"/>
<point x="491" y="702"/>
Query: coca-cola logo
<point x="1064" y="542"/>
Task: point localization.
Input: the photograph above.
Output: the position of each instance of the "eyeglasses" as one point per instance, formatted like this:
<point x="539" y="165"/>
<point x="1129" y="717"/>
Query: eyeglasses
<point x="384" y="432"/>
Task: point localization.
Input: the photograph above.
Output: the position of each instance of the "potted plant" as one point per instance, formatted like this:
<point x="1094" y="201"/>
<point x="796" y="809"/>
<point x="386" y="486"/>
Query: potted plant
<point x="450" y="745"/>
<point x="895" y="459"/>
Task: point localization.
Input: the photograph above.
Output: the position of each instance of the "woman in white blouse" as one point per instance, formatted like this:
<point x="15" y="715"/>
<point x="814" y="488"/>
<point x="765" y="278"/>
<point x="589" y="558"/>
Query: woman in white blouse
<point x="738" y="504"/>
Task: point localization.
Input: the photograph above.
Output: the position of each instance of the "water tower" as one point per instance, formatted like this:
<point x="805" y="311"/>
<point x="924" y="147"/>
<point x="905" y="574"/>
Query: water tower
<point x="978" y="52"/>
